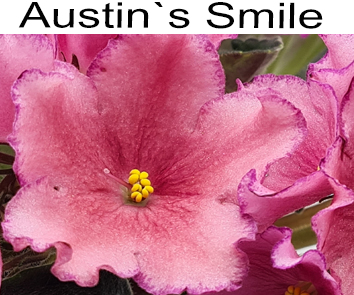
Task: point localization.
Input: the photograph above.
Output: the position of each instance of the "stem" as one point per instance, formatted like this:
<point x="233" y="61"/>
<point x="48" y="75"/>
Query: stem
<point x="108" y="173"/>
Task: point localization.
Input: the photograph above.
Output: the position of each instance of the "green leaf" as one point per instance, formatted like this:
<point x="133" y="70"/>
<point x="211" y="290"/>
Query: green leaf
<point x="297" y="53"/>
<point x="40" y="281"/>
<point x="243" y="59"/>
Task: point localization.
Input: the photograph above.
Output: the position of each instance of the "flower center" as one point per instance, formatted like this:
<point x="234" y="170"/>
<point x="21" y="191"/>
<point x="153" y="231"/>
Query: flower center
<point x="141" y="185"/>
<point x="138" y="187"/>
<point x="302" y="288"/>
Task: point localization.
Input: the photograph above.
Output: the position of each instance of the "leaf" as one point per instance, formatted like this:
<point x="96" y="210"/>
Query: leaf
<point x="298" y="52"/>
<point x="39" y="281"/>
<point x="245" y="59"/>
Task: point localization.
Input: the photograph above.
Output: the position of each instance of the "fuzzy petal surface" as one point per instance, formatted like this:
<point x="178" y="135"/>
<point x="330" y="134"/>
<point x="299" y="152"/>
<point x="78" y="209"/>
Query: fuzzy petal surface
<point x="66" y="107"/>
<point x="339" y="79"/>
<point x="339" y="162"/>
<point x="266" y="206"/>
<point x="333" y="225"/>
<point x="318" y="104"/>
<point x="160" y="114"/>
<point x="340" y="51"/>
<point x="275" y="265"/>
<point x="85" y="47"/>
<point x="292" y="182"/>
<point x="166" y="245"/>
<point x="334" y="229"/>
<point x="18" y="53"/>
<point x="336" y="68"/>
<point x="152" y="103"/>
<point x="239" y="132"/>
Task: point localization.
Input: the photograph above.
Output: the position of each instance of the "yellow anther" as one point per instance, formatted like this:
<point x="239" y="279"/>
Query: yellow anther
<point x="135" y="195"/>
<point x="297" y="291"/>
<point x="135" y="171"/>
<point x="149" y="188"/>
<point x="136" y="188"/>
<point x="138" y="198"/>
<point x="145" y="182"/>
<point x="293" y="291"/>
<point x="141" y="186"/>
<point x="144" y="175"/>
<point x="145" y="193"/>
<point x="300" y="289"/>
<point x="133" y="178"/>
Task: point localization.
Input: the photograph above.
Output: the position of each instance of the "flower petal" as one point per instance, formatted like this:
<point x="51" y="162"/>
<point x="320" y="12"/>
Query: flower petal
<point x="18" y="53"/>
<point x="266" y="206"/>
<point x="166" y="245"/>
<point x="234" y="135"/>
<point x="333" y="227"/>
<point x="85" y="47"/>
<point x="65" y="105"/>
<point x="151" y="89"/>
<point x="339" y="161"/>
<point x="319" y="107"/>
<point x="274" y="266"/>
<point x="310" y="267"/>
<point x="338" y="79"/>
<point x="340" y="51"/>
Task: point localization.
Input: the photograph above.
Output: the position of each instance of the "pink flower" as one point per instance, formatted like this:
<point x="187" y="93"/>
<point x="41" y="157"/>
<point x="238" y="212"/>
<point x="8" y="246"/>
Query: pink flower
<point x="336" y="68"/>
<point x="160" y="108"/>
<point x="81" y="50"/>
<point x="340" y="52"/>
<point x="275" y="267"/>
<point x="333" y="227"/>
<point x="18" y="53"/>
<point x="295" y="181"/>
<point x="334" y="224"/>
<point x="84" y="47"/>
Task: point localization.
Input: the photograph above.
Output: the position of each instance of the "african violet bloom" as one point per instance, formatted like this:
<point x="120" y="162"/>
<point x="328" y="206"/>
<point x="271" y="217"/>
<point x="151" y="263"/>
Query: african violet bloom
<point x="18" y="53"/>
<point x="295" y="181"/>
<point x="134" y="167"/>
<point x="336" y="68"/>
<point x="334" y="224"/>
<point x="276" y="268"/>
<point x="333" y="227"/>
<point x="80" y="49"/>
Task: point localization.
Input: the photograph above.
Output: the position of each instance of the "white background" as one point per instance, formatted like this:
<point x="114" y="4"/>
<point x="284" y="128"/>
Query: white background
<point x="336" y="17"/>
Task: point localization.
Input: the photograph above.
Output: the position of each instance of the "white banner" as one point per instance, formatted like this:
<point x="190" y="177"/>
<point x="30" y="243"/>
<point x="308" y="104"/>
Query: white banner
<point x="176" y="17"/>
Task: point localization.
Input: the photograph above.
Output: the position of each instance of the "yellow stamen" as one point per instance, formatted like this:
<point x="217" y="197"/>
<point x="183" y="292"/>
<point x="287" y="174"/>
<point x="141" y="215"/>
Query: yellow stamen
<point x="133" y="178"/>
<point x="296" y="290"/>
<point x="144" y="175"/>
<point x="138" y="198"/>
<point x="136" y="188"/>
<point x="135" y="194"/>
<point x="141" y="186"/>
<point x="149" y="188"/>
<point x="145" y="193"/>
<point x="145" y="182"/>
<point x="134" y="171"/>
